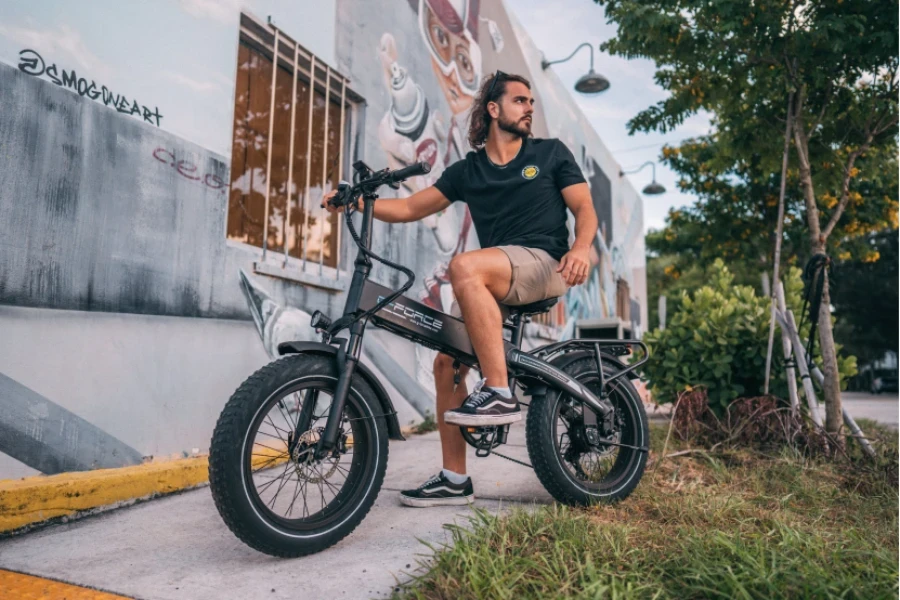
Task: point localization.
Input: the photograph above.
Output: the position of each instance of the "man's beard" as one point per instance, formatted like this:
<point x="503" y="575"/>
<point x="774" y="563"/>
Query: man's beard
<point x="515" y="127"/>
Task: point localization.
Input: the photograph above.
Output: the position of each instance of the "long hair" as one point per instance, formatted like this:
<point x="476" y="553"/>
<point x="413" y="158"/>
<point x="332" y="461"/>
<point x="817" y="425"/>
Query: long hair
<point x="480" y="119"/>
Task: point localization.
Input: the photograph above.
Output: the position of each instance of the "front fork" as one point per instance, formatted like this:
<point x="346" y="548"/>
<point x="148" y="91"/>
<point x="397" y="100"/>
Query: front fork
<point x="347" y="360"/>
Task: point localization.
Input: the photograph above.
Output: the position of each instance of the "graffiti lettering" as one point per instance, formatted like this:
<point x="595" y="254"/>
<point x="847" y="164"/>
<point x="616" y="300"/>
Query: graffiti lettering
<point x="32" y="63"/>
<point x="188" y="170"/>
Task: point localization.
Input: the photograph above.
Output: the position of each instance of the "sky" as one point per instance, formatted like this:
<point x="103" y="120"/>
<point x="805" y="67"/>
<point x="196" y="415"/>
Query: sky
<point x="557" y="28"/>
<point x="197" y="78"/>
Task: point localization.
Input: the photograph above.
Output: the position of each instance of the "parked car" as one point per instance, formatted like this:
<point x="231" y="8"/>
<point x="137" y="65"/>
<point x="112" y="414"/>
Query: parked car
<point x="883" y="380"/>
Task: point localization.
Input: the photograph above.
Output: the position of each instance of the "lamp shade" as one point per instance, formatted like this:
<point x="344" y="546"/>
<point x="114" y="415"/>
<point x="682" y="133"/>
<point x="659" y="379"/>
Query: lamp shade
<point x="592" y="83"/>
<point x="654" y="189"/>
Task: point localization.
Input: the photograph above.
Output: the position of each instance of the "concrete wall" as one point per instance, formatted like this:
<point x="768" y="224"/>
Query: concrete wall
<point x="105" y="213"/>
<point x="157" y="383"/>
<point x="121" y="301"/>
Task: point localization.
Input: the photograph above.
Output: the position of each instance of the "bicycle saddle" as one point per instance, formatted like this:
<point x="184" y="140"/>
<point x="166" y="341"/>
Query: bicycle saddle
<point x="535" y="308"/>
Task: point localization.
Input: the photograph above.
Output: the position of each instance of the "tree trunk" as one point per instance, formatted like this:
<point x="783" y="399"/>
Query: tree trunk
<point x="834" y="416"/>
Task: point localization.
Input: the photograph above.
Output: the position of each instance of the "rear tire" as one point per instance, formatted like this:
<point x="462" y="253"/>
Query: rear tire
<point x="558" y="475"/>
<point x="233" y="475"/>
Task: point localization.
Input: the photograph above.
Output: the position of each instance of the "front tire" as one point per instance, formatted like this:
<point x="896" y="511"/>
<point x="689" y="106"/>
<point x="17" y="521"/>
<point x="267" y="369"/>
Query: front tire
<point x="573" y="471"/>
<point x="254" y="451"/>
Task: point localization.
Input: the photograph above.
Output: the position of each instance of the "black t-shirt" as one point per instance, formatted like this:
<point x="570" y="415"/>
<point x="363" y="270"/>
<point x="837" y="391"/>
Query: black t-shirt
<point x="520" y="203"/>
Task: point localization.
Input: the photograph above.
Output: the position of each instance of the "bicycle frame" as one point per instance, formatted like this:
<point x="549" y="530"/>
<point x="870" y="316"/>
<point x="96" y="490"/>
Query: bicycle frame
<point x="447" y="334"/>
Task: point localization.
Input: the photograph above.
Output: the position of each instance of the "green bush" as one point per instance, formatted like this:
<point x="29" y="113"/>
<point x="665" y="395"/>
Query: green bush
<point x="717" y="339"/>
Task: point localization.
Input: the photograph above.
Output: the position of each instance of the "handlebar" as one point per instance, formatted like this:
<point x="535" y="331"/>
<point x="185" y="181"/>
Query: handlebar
<point x="411" y="171"/>
<point x="346" y="192"/>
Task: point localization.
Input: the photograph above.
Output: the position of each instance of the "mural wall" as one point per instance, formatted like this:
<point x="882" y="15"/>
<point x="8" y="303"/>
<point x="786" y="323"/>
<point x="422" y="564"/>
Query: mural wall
<point x="114" y="209"/>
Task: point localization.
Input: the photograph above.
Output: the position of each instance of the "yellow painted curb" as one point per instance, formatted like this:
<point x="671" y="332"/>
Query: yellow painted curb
<point x="35" y="499"/>
<point x="18" y="586"/>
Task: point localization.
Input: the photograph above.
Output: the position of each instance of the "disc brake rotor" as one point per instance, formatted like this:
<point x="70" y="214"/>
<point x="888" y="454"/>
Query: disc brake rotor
<point x="305" y="464"/>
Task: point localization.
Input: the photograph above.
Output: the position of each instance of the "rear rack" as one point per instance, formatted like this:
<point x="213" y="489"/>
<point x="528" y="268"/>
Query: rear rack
<point x="610" y="347"/>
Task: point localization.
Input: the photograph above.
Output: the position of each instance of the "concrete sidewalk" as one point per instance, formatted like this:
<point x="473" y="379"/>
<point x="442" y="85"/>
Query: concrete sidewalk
<point x="178" y="548"/>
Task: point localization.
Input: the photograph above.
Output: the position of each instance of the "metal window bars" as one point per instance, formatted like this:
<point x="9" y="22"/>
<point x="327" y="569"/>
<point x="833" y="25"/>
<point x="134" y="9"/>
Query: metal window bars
<point x="280" y="47"/>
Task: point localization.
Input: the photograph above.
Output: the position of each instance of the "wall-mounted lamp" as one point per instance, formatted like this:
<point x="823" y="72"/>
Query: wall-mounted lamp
<point x="592" y="83"/>
<point x="653" y="189"/>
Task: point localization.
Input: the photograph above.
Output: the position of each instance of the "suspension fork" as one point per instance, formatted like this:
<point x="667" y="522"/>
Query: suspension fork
<point x="304" y="419"/>
<point x="347" y="367"/>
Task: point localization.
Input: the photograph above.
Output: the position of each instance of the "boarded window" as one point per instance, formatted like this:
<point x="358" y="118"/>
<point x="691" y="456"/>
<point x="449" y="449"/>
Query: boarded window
<point x="287" y="150"/>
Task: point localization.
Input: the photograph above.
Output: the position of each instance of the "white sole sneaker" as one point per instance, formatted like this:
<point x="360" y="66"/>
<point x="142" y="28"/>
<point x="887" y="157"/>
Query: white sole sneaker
<point x="453" y="418"/>
<point x="429" y="502"/>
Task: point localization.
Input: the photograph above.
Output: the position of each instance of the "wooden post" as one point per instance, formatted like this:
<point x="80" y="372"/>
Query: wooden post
<point x="778" y="234"/>
<point x="848" y="420"/>
<point x="787" y="321"/>
<point x="787" y="348"/>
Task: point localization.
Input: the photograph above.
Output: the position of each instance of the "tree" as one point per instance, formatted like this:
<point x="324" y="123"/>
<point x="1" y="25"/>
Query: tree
<point x="837" y="62"/>
<point x="734" y="218"/>
<point x="866" y="298"/>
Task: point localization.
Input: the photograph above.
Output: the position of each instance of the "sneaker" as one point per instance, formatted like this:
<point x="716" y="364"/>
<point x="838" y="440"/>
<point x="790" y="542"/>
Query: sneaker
<point x="439" y="491"/>
<point x="485" y="406"/>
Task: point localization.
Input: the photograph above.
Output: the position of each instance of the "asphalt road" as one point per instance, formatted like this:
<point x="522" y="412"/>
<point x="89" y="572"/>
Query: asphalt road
<point x="884" y="408"/>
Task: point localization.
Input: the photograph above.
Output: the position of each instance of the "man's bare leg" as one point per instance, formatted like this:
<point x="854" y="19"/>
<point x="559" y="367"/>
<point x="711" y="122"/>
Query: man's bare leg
<point x="453" y="446"/>
<point x="480" y="279"/>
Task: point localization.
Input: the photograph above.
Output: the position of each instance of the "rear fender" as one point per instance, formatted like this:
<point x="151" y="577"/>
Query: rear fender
<point x="387" y="407"/>
<point x="536" y="387"/>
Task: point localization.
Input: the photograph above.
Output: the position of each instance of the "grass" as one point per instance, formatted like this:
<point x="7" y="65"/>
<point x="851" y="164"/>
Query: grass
<point x="735" y="524"/>
<point x="427" y="425"/>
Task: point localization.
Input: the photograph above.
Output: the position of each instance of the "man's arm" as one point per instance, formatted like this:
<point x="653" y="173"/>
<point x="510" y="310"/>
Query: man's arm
<point x="575" y="265"/>
<point x="403" y="210"/>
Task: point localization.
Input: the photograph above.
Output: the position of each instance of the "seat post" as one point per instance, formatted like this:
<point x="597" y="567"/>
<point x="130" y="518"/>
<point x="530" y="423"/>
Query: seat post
<point x="518" y="332"/>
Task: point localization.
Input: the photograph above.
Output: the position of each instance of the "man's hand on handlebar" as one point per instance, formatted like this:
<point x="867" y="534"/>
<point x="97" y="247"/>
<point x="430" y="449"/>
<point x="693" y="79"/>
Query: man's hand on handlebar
<point x="333" y="209"/>
<point x="369" y="184"/>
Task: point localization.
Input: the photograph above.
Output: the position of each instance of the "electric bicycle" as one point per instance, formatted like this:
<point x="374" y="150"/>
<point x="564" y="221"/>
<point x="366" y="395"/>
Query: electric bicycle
<point x="300" y="450"/>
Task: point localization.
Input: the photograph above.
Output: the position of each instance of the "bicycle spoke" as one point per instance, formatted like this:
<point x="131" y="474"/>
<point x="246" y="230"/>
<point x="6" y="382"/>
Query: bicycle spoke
<point x="278" y="491"/>
<point x="278" y="429"/>
<point x="284" y="416"/>
<point x="273" y="480"/>
<point x="294" y="499"/>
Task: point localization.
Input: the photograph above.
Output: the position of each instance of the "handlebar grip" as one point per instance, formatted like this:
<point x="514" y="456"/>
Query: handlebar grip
<point x="341" y="197"/>
<point x="411" y="171"/>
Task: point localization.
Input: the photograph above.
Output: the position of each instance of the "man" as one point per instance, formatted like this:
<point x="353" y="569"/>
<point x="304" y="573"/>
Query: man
<point x="517" y="190"/>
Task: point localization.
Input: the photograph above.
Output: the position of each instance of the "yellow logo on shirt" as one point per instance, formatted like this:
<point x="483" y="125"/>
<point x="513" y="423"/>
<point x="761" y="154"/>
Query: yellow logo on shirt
<point x="530" y="172"/>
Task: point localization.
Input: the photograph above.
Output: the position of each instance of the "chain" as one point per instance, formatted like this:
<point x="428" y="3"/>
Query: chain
<point x="524" y="464"/>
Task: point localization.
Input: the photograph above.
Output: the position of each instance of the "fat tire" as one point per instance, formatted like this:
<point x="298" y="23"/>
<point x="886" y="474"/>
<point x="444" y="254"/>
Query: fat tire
<point x="542" y="450"/>
<point x="226" y="447"/>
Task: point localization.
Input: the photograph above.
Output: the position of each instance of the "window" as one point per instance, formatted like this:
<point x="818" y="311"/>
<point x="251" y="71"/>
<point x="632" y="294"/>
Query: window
<point x="288" y="149"/>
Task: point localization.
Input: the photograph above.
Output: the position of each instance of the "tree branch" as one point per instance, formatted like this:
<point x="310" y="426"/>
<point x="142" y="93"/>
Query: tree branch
<point x="845" y="190"/>
<point x="869" y="132"/>
<point x="809" y="196"/>
<point x="818" y="121"/>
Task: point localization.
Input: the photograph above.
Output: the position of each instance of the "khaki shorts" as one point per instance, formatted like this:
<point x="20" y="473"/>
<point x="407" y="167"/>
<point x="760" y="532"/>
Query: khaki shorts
<point x="534" y="278"/>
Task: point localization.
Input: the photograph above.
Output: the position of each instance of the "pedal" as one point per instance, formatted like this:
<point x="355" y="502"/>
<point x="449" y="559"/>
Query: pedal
<point x="486" y="442"/>
<point x="502" y="432"/>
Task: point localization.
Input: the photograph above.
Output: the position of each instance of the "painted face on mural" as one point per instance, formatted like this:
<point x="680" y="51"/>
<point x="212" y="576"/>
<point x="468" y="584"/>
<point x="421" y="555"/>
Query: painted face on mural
<point x="515" y="110"/>
<point x="455" y="55"/>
